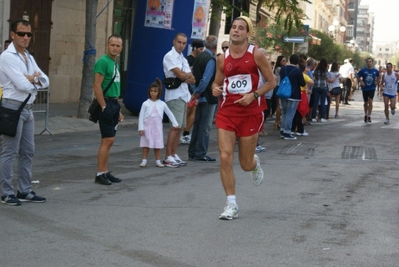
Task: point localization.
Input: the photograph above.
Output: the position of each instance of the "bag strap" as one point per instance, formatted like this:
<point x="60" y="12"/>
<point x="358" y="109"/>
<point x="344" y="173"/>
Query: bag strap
<point x="289" y="73"/>
<point x="24" y="103"/>
<point x="110" y="83"/>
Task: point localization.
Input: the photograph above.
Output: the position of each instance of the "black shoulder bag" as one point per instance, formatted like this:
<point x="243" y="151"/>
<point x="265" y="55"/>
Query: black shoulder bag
<point x="95" y="108"/>
<point x="9" y="119"/>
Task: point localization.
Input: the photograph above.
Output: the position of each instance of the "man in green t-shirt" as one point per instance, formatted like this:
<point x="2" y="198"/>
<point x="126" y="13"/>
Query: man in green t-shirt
<point x="106" y="71"/>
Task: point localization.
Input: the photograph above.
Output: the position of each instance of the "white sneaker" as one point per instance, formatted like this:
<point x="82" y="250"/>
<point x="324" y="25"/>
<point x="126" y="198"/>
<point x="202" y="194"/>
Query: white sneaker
<point x="386" y="121"/>
<point x="302" y="134"/>
<point x="170" y="162"/>
<point x="323" y="120"/>
<point x="257" y="173"/>
<point x="142" y="165"/>
<point x="159" y="165"/>
<point x="230" y="212"/>
<point x="179" y="160"/>
<point x="185" y="139"/>
<point x="314" y="120"/>
<point x="392" y="112"/>
<point x="259" y="149"/>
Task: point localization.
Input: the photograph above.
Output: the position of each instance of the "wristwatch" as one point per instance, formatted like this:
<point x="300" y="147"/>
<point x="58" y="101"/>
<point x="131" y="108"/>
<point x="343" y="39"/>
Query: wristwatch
<point x="256" y="95"/>
<point x="35" y="79"/>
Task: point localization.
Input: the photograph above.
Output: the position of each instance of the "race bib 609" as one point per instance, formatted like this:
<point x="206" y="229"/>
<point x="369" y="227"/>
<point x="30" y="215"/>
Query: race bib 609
<point x="241" y="83"/>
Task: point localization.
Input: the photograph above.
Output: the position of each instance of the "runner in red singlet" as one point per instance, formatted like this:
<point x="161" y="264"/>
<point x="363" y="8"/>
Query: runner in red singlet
<point x="241" y="105"/>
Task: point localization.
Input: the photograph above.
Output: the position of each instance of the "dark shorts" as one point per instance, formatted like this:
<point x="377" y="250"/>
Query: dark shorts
<point x="109" y="118"/>
<point x="368" y="95"/>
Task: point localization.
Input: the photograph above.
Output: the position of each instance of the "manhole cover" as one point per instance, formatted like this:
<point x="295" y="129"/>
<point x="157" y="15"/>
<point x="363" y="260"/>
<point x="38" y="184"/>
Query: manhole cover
<point x="359" y="152"/>
<point x="302" y="149"/>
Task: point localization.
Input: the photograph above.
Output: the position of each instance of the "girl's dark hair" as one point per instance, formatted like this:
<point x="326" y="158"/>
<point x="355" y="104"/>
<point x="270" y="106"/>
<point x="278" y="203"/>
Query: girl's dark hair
<point x="156" y="84"/>
<point x="278" y="62"/>
<point x="334" y="66"/>
<point x="321" y="67"/>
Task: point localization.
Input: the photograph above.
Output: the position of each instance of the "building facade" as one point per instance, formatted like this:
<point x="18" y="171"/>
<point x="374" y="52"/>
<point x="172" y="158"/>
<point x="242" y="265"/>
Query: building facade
<point x="64" y="23"/>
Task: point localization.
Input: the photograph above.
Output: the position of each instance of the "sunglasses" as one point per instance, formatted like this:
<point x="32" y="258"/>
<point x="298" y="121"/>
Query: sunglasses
<point x="22" y="34"/>
<point x="225" y="47"/>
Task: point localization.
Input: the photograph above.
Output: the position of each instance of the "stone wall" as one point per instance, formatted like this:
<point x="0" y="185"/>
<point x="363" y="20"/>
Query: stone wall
<point x="67" y="45"/>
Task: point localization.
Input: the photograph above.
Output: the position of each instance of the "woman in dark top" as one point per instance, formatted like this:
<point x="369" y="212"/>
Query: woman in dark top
<point x="320" y="78"/>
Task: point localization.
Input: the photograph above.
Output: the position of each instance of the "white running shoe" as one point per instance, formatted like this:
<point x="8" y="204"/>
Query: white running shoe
<point x="185" y="139"/>
<point x="323" y="120"/>
<point x="386" y="121"/>
<point x="179" y="160"/>
<point x="259" y="149"/>
<point x="170" y="162"/>
<point x="392" y="112"/>
<point x="257" y="173"/>
<point x="314" y="120"/>
<point x="230" y="212"/>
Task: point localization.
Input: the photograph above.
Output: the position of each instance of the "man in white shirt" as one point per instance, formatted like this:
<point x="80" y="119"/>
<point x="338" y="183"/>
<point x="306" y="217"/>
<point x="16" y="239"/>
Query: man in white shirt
<point x="347" y="73"/>
<point x="175" y="65"/>
<point x="19" y="77"/>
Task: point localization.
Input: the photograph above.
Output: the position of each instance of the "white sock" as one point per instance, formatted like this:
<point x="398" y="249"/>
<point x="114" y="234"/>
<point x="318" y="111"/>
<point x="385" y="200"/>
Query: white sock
<point x="99" y="173"/>
<point x="158" y="162"/>
<point x="231" y="199"/>
<point x="144" y="161"/>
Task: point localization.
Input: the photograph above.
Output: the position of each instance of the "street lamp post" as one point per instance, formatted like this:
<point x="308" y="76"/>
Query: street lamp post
<point x="334" y="29"/>
<point x="353" y="46"/>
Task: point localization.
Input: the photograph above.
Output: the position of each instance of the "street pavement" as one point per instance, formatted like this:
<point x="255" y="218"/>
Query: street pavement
<point x="329" y="199"/>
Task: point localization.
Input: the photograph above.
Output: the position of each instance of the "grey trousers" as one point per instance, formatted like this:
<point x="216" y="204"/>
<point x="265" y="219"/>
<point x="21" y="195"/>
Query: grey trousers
<point x="23" y="146"/>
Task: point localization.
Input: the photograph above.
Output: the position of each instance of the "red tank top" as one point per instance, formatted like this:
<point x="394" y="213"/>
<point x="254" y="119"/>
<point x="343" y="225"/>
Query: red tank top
<point x="241" y="76"/>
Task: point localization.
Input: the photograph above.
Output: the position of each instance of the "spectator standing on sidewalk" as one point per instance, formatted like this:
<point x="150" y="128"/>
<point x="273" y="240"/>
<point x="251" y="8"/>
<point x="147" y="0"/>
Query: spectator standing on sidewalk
<point x="336" y="90"/>
<point x="150" y="123"/>
<point x="175" y="65"/>
<point x="320" y="90"/>
<point x="348" y="75"/>
<point x="289" y="105"/>
<point x="240" y="112"/>
<point x="204" y="72"/>
<point x="275" y="105"/>
<point x="106" y="71"/>
<point x="20" y="77"/>
<point x="197" y="48"/>
<point x="369" y="78"/>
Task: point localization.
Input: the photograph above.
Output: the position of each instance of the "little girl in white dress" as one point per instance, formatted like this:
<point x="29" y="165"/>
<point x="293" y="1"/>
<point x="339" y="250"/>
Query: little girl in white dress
<point x="150" y="123"/>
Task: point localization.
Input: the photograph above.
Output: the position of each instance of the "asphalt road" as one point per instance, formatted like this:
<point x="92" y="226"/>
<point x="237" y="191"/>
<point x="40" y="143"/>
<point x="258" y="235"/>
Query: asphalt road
<point x="329" y="199"/>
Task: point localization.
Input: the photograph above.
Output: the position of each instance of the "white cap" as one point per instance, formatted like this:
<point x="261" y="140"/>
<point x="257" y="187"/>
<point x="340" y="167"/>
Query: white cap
<point x="346" y="61"/>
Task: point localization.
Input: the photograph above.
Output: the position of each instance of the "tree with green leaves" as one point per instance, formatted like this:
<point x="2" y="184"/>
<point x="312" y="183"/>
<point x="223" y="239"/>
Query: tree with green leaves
<point x="271" y="37"/>
<point x="289" y="10"/>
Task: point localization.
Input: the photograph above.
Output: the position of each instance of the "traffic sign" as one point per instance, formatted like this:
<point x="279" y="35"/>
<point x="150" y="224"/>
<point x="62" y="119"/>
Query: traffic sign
<point x="294" y="39"/>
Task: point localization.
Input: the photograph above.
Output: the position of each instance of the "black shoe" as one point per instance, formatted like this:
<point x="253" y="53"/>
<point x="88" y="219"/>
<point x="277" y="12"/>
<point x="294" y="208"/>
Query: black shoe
<point x="30" y="197"/>
<point x="206" y="159"/>
<point x="369" y="119"/>
<point x="112" y="178"/>
<point x="365" y="119"/>
<point x="10" y="200"/>
<point x="346" y="103"/>
<point x="102" y="179"/>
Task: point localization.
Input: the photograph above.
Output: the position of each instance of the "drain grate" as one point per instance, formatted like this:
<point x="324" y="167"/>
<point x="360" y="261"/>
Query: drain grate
<point x="359" y="152"/>
<point x="302" y="149"/>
